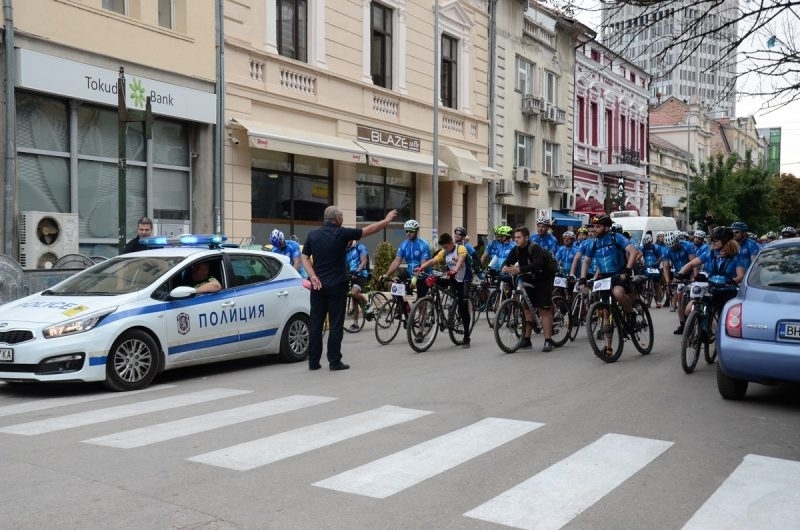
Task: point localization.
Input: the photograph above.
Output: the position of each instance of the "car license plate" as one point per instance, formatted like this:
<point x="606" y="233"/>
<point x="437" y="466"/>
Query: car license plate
<point x="7" y="355"/>
<point x="789" y="330"/>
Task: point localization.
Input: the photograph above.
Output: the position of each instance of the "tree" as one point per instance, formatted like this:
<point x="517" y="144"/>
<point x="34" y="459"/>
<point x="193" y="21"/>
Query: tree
<point x="734" y="189"/>
<point x="786" y="202"/>
<point x="764" y="51"/>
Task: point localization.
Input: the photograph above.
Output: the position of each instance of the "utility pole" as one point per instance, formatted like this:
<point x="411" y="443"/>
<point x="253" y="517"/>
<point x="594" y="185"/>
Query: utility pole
<point x="125" y="117"/>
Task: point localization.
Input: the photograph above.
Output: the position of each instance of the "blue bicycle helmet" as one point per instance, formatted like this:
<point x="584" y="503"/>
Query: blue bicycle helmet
<point x="277" y="239"/>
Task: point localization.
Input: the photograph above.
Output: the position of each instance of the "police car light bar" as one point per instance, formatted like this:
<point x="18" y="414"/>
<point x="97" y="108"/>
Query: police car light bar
<point x="183" y="240"/>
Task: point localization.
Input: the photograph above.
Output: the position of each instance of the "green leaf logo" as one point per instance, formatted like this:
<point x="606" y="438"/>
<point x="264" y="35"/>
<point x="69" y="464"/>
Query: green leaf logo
<point x="137" y="93"/>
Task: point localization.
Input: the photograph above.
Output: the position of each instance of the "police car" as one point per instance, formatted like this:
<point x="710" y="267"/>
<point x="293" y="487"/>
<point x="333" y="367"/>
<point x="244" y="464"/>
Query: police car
<point x="126" y="319"/>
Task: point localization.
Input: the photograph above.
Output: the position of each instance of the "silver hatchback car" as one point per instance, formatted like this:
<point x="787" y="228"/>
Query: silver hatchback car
<point x="759" y="335"/>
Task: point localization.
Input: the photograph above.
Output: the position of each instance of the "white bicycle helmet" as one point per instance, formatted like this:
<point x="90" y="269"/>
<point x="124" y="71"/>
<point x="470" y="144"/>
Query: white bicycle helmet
<point x="647" y="239"/>
<point x="542" y="220"/>
<point x="700" y="234"/>
<point x="670" y="238"/>
<point x="411" y="225"/>
<point x="569" y="233"/>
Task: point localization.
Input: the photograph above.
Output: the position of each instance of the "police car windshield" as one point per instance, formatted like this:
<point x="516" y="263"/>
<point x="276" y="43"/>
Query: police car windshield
<point x="115" y="276"/>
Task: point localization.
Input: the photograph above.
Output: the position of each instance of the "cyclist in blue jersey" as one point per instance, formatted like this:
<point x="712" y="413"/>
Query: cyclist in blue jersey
<point x="498" y="250"/>
<point x="356" y="258"/>
<point x="565" y="254"/>
<point x="413" y="251"/>
<point x="747" y="247"/>
<point x="699" y="241"/>
<point x="543" y="237"/>
<point x="459" y="235"/>
<point x="679" y="253"/>
<point x="651" y="257"/>
<point x="583" y="239"/>
<point x="289" y="248"/>
<point x="615" y="256"/>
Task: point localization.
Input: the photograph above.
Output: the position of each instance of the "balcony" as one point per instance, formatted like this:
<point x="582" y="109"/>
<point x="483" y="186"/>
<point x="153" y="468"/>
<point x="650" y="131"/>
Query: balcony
<point x="623" y="162"/>
<point x="532" y="105"/>
<point x="555" y="115"/>
<point x="558" y="183"/>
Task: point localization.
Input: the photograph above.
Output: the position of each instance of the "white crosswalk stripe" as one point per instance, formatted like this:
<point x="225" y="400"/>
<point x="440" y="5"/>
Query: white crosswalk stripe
<point x="81" y="419"/>
<point x="206" y="422"/>
<point x="762" y="492"/>
<point x="49" y="403"/>
<point x="554" y="497"/>
<point x="260" y="452"/>
<point x="394" y="473"/>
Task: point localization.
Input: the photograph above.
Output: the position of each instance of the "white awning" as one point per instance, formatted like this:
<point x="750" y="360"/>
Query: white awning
<point x="278" y="138"/>
<point x="400" y="159"/>
<point x="463" y="166"/>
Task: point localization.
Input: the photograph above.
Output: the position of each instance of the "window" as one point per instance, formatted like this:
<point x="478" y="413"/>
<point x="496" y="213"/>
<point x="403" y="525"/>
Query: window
<point x="549" y="158"/>
<point x="581" y="119"/>
<point x="523" y="155"/>
<point x="118" y="6"/>
<point x="551" y="88"/>
<point x="381" y="45"/>
<point x="292" y="24"/>
<point x="166" y="13"/>
<point x="378" y="190"/>
<point x="449" y="72"/>
<point x="525" y="76"/>
<point x="249" y="269"/>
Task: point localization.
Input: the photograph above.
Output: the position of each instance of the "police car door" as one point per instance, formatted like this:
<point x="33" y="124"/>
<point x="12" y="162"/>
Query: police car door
<point x="201" y="326"/>
<point x="264" y="298"/>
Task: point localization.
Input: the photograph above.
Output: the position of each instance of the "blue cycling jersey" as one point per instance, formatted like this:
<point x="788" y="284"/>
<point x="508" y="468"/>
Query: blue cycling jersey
<point x="547" y="241"/>
<point x="608" y="251"/>
<point x="414" y="252"/>
<point x="291" y="249"/>
<point x="353" y="259"/>
<point x="564" y="256"/>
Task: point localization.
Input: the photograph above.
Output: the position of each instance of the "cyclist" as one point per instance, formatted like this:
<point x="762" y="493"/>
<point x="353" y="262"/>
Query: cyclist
<point x="723" y="263"/>
<point x="699" y="242"/>
<point x="357" y="259"/>
<point x="413" y="251"/>
<point x="497" y="251"/>
<point x="565" y="254"/>
<point x="771" y="236"/>
<point x="289" y="248"/>
<point x="615" y="256"/>
<point x="747" y="247"/>
<point x="679" y="253"/>
<point x="659" y="242"/>
<point x="459" y="274"/>
<point x="528" y="257"/>
<point x="461" y="238"/>
<point x="651" y="258"/>
<point x="543" y="237"/>
<point x="788" y="232"/>
<point x="584" y="238"/>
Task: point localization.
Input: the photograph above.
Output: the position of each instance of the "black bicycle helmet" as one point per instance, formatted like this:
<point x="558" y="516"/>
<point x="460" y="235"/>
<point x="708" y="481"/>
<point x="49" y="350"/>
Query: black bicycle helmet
<point x="602" y="220"/>
<point x="722" y="233"/>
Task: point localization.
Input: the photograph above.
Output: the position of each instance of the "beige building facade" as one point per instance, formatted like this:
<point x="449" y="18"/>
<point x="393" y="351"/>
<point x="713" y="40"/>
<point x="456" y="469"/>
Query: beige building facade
<point x="65" y="158"/>
<point x="332" y="102"/>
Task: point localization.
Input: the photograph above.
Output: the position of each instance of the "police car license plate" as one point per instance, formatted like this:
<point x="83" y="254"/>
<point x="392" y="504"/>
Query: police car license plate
<point x="6" y="355"/>
<point x="789" y="330"/>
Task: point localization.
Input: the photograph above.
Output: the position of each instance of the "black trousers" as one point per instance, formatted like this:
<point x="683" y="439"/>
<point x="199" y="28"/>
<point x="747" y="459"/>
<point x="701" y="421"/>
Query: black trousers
<point x="327" y="302"/>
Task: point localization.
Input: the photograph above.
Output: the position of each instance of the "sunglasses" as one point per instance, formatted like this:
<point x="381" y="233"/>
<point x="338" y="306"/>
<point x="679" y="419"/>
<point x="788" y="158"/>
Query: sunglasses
<point x="411" y="231"/>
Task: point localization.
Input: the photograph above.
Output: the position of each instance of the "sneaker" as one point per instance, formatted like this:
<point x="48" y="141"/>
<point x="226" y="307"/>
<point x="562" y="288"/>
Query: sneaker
<point x="678" y="330"/>
<point x="526" y="344"/>
<point x="465" y="344"/>
<point x="355" y="326"/>
<point x="369" y="311"/>
<point x="673" y="309"/>
<point x="548" y="346"/>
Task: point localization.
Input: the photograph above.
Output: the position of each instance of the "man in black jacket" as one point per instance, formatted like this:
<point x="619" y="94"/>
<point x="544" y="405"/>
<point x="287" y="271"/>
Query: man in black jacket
<point x="144" y="228"/>
<point x="528" y="257"/>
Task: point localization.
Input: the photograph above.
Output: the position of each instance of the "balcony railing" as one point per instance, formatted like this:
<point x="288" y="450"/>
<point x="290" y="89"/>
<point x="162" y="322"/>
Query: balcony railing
<point x="555" y="115"/>
<point x="532" y="105"/>
<point x="625" y="155"/>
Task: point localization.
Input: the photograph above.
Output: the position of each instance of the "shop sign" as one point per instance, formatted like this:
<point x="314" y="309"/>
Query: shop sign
<point x="389" y="139"/>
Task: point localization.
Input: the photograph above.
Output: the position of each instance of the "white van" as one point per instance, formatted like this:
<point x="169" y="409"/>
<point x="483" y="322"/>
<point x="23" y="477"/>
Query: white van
<point x="639" y="225"/>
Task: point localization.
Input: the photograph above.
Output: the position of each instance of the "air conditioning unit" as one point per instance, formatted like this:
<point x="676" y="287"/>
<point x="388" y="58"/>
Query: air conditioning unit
<point x="531" y="104"/>
<point x="504" y="187"/>
<point x="568" y="201"/>
<point x="522" y="174"/>
<point x="171" y="228"/>
<point x="46" y="236"/>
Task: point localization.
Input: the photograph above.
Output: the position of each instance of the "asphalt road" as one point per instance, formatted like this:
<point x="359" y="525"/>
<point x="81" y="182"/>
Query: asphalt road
<point x="450" y="438"/>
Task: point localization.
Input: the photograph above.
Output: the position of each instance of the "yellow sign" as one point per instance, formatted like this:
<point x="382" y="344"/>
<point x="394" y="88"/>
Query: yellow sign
<point x="72" y="311"/>
<point x="320" y="191"/>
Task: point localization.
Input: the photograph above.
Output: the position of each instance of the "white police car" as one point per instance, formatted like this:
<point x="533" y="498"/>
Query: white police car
<point x="126" y="319"/>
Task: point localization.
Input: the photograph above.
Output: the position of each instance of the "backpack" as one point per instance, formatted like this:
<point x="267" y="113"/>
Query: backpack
<point x="550" y="266"/>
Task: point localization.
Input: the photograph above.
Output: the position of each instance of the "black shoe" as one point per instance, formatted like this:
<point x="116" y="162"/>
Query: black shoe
<point x="314" y="366"/>
<point x="525" y="344"/>
<point x="465" y="344"/>
<point x="340" y="366"/>
<point x="548" y="346"/>
<point x="678" y="330"/>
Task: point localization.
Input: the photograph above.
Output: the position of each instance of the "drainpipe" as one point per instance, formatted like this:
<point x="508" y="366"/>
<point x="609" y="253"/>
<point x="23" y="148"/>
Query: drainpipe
<point x="492" y="125"/>
<point x="11" y="120"/>
<point x="219" y="129"/>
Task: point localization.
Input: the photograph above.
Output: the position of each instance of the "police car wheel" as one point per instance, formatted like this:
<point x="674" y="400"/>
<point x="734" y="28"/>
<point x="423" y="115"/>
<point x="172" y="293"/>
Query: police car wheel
<point x="133" y="362"/>
<point x="295" y="339"/>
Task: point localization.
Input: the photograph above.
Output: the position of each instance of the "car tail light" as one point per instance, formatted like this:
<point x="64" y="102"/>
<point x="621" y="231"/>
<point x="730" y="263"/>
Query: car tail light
<point x="733" y="321"/>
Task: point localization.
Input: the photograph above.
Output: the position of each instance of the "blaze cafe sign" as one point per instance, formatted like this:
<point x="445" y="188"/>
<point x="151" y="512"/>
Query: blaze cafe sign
<point x="389" y="139"/>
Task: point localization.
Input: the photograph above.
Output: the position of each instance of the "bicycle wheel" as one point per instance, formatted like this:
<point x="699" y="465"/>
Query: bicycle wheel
<point x="690" y="345"/>
<point x="575" y="320"/>
<point x="492" y="303"/>
<point x="642" y="333"/>
<point x="508" y="326"/>
<point x="353" y="325"/>
<point x="422" y="326"/>
<point x="377" y="299"/>
<point x="454" y="326"/>
<point x="561" y="321"/>
<point x="599" y="333"/>
<point x="710" y="349"/>
<point x="646" y="294"/>
<point x="387" y="322"/>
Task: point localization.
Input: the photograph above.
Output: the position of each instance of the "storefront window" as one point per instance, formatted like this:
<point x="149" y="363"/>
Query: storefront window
<point x="43" y="183"/>
<point x="98" y="183"/>
<point x="97" y="135"/>
<point x="170" y="194"/>
<point x="379" y="190"/>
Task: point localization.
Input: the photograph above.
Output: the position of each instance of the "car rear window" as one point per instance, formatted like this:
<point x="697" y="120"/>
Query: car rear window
<point x="777" y="268"/>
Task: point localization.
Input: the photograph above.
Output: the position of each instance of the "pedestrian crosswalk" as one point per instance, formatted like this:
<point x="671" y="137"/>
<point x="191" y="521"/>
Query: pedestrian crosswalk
<point x="762" y="492"/>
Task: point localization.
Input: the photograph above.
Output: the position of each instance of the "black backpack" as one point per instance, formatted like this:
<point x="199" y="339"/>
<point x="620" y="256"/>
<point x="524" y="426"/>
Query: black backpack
<point x="550" y="267"/>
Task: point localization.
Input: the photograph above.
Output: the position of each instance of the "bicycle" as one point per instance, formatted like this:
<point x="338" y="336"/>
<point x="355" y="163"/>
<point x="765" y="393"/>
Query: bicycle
<point x="700" y="330"/>
<point x="646" y="287"/>
<point x="436" y="311"/>
<point x="375" y="299"/>
<point x="606" y="323"/>
<point x="393" y="313"/>
<point x="579" y="308"/>
<point x="510" y="320"/>
<point x="501" y="291"/>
